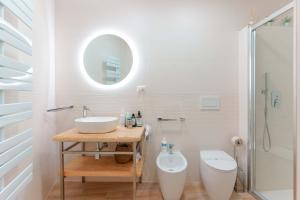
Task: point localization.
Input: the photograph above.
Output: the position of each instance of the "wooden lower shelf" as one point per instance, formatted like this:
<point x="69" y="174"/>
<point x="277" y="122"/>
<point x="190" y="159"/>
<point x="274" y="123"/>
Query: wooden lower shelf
<point x="106" y="166"/>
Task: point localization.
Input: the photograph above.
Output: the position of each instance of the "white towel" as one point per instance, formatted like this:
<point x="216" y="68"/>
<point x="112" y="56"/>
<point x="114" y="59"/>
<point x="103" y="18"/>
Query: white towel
<point x="147" y="130"/>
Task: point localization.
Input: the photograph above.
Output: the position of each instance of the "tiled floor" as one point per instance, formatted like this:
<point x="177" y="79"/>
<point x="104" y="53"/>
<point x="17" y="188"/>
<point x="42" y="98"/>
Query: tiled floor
<point x="123" y="191"/>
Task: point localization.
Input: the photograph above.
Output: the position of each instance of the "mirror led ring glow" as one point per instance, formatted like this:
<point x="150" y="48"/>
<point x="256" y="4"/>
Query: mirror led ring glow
<point x="132" y="71"/>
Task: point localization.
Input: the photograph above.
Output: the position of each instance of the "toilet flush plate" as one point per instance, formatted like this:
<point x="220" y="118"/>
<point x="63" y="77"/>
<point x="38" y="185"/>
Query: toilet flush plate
<point x="210" y="103"/>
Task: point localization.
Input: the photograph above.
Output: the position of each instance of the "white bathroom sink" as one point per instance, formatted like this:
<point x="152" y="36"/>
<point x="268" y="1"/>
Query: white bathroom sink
<point x="96" y="124"/>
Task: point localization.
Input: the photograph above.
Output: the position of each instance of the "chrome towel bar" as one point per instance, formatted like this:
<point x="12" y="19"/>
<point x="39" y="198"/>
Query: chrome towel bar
<point x="169" y="119"/>
<point x="60" y="109"/>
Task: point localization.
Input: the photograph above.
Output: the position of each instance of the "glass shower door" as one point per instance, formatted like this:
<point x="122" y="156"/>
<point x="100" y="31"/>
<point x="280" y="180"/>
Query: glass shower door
<point x="273" y="108"/>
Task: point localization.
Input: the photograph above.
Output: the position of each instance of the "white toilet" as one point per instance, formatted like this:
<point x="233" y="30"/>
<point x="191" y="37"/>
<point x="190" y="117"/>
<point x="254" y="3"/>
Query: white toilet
<point x="171" y="174"/>
<point x="218" y="171"/>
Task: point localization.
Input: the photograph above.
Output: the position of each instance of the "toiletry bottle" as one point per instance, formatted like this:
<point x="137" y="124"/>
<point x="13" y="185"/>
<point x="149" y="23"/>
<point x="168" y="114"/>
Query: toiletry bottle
<point x="139" y="120"/>
<point x="122" y="118"/>
<point x="133" y="120"/>
<point x="163" y="145"/>
<point x="128" y="120"/>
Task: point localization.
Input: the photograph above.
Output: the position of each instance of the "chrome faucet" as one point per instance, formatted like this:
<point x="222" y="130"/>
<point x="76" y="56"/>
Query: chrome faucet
<point x="84" y="111"/>
<point x="170" y="148"/>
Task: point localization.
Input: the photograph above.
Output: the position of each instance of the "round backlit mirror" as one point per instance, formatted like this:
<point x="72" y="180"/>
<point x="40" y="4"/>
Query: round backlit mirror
<point x="108" y="59"/>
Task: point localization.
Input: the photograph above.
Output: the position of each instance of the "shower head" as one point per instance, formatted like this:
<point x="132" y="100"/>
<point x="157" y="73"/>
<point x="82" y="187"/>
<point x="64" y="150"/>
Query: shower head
<point x="265" y="90"/>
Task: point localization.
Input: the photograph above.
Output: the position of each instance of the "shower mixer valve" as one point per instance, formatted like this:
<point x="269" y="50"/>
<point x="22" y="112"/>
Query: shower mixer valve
<point x="275" y="99"/>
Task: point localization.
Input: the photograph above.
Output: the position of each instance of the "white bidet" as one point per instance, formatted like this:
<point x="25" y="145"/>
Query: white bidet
<point x="171" y="169"/>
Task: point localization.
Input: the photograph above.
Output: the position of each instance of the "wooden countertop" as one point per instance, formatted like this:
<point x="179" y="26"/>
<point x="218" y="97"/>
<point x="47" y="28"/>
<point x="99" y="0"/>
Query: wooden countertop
<point x="121" y="134"/>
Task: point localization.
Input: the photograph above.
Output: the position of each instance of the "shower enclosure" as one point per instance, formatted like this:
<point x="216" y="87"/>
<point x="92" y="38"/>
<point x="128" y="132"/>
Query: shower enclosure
<point x="272" y="110"/>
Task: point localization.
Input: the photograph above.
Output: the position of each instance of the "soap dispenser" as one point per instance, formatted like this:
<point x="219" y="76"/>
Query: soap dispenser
<point x="128" y="121"/>
<point x="164" y="145"/>
<point x="139" y="120"/>
<point x="133" y="120"/>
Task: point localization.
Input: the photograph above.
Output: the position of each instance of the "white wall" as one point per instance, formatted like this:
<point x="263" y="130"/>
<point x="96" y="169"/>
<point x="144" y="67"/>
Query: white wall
<point x="187" y="49"/>
<point x="45" y="151"/>
<point x="242" y="150"/>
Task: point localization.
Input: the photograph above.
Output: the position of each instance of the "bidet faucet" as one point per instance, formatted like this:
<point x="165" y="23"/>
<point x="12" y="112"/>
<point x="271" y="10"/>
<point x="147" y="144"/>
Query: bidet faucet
<point x="170" y="148"/>
<point x="84" y="111"/>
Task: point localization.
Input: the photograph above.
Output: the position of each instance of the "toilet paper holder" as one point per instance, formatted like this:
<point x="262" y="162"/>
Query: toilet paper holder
<point x="240" y="179"/>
